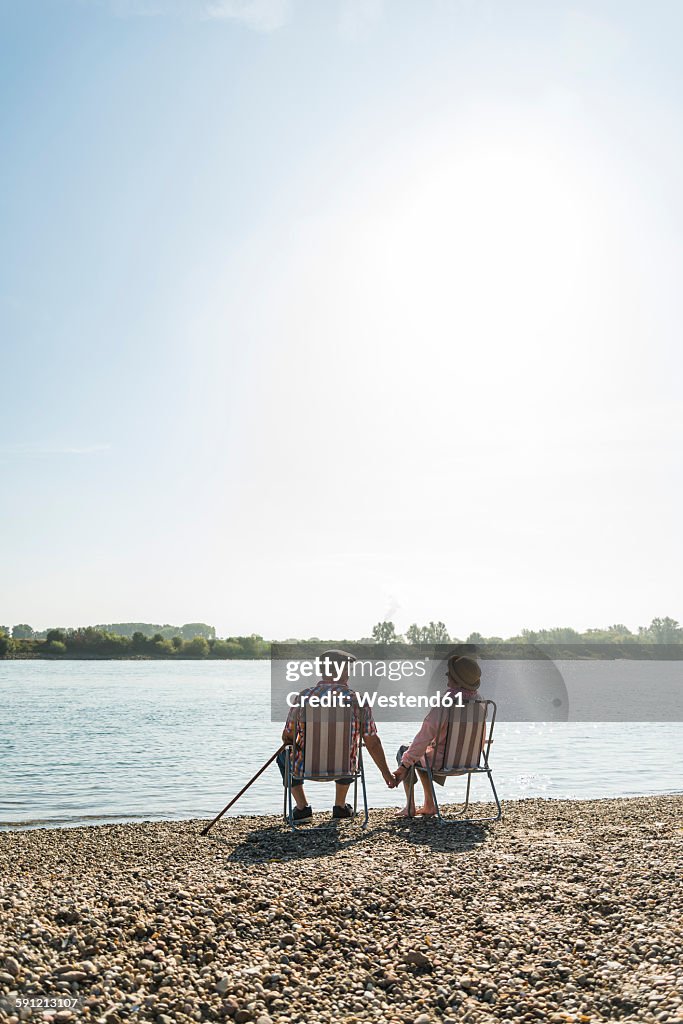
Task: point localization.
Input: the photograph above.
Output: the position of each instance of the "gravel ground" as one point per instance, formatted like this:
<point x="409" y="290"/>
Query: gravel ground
<point x="564" y="911"/>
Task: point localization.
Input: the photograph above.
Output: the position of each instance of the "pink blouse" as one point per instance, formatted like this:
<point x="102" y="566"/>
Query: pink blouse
<point x="431" y="739"/>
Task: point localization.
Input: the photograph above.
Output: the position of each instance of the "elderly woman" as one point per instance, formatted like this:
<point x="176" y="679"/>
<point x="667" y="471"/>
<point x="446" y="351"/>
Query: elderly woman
<point x="464" y="677"/>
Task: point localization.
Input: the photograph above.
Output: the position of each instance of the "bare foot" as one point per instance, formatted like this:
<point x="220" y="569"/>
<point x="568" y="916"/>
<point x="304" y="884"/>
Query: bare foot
<point x="426" y="812"/>
<point x="406" y="812"/>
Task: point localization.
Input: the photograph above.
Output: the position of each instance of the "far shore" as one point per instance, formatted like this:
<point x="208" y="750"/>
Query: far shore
<point x="565" y="911"/>
<point x="46" y="656"/>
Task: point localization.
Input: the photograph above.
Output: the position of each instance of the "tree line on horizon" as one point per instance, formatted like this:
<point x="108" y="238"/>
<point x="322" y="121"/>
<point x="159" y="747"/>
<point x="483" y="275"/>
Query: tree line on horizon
<point x="188" y="631"/>
<point x="199" y="640"/>
<point x="193" y="640"/>
<point x="660" y="631"/>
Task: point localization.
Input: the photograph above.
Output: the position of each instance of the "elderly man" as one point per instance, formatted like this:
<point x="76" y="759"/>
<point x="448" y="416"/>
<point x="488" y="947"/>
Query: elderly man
<point x="334" y="685"/>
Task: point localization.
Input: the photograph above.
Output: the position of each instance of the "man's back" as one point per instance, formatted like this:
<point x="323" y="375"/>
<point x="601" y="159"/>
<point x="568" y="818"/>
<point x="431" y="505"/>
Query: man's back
<point x="326" y="725"/>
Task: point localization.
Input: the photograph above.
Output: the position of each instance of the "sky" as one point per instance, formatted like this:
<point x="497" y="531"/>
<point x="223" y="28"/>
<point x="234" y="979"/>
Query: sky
<point x="320" y="312"/>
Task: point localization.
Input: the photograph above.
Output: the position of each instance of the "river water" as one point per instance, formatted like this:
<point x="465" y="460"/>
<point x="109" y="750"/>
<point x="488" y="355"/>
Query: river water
<point x="86" y="742"/>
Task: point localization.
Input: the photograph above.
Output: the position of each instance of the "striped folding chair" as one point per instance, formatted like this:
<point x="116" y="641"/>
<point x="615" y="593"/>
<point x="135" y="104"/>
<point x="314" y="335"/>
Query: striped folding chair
<point x="466" y="751"/>
<point x="323" y="750"/>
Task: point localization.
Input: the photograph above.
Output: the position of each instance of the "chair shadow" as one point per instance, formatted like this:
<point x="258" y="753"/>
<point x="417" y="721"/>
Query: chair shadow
<point x="279" y="843"/>
<point x="454" y="837"/>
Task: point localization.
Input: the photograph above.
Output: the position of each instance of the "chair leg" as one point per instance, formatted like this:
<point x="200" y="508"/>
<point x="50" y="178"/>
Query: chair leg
<point x="495" y="797"/>
<point x="433" y="789"/>
<point x="467" y="794"/>
<point x="355" y="796"/>
<point x="484" y="817"/>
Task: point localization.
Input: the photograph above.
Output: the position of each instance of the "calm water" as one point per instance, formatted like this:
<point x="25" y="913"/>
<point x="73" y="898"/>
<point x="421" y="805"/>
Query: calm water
<point x="88" y="742"/>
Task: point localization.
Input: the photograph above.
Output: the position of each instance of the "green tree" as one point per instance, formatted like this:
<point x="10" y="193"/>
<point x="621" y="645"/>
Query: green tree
<point x="198" y="647"/>
<point x="618" y="633"/>
<point x="161" y="647"/>
<point x="415" y="634"/>
<point x="385" y="633"/>
<point x="139" y="641"/>
<point x="92" y="640"/>
<point x="5" y="642"/>
<point x="217" y="649"/>
<point x="556" y="635"/>
<point x="225" y="649"/>
<point x="128" y="628"/>
<point x="56" y="646"/>
<point x="436" y="633"/>
<point x="177" y="642"/>
<point x="192" y="629"/>
<point x="475" y="638"/>
<point x="22" y="632"/>
<point x="254" y="646"/>
<point x="560" y="635"/>
<point x="56" y="636"/>
<point x="663" y="631"/>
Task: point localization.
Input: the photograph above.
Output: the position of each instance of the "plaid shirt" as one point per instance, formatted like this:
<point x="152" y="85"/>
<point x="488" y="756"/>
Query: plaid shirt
<point x="363" y="722"/>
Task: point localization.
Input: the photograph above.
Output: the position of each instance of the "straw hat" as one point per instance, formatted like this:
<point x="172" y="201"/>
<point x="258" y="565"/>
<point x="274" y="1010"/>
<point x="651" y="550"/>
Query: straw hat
<point x="463" y="671"/>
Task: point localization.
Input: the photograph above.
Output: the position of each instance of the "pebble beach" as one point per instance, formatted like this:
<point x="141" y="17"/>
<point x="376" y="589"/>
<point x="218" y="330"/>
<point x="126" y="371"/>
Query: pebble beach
<point x="565" y="911"/>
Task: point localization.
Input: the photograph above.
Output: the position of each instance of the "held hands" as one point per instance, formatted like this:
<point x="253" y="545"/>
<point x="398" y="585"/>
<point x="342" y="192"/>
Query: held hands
<point x="400" y="774"/>
<point x="390" y="779"/>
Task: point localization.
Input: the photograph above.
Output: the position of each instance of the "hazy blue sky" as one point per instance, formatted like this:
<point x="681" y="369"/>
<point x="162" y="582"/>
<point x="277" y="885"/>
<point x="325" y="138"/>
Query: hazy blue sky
<point x="313" y="313"/>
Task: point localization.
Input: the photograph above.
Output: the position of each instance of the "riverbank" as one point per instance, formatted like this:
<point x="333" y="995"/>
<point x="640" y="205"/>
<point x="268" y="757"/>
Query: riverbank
<point x="564" y="911"/>
<point x="90" y="656"/>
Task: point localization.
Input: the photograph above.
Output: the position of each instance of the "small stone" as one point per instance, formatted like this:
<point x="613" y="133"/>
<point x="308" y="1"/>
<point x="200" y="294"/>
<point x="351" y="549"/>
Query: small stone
<point x="242" y="1016"/>
<point x="424" y="1018"/>
<point x="12" y="965"/>
<point x="264" y="1019"/>
<point x="223" y="985"/>
<point x="417" y="958"/>
<point x="73" y="976"/>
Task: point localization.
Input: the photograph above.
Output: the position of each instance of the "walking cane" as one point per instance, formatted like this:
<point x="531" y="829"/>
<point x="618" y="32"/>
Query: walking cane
<point x="243" y="790"/>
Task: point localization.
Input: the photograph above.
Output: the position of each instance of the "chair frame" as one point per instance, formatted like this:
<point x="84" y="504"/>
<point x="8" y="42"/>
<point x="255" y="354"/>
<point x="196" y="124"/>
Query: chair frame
<point x="481" y="769"/>
<point x="290" y="777"/>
